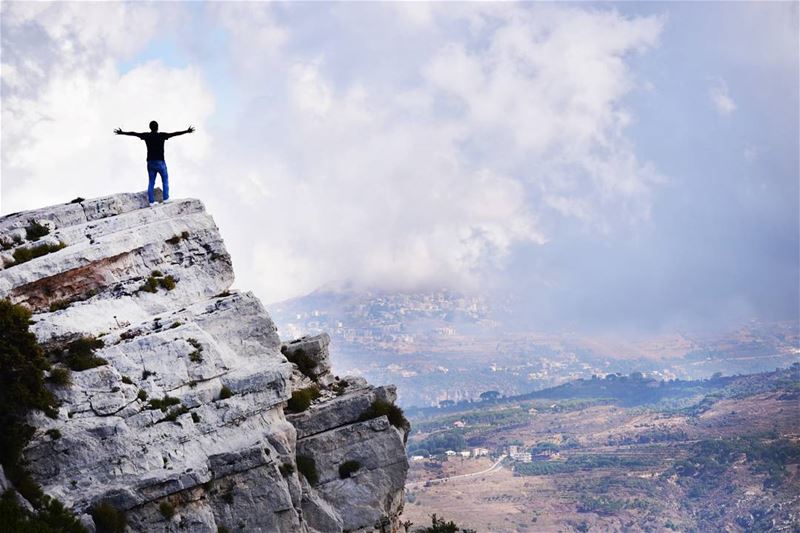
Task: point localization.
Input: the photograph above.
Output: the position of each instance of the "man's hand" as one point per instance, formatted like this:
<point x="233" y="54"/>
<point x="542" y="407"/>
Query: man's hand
<point x="190" y="129"/>
<point x="119" y="131"/>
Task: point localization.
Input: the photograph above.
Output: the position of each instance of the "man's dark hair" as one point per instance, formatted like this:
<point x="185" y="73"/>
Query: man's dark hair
<point x="153" y="125"/>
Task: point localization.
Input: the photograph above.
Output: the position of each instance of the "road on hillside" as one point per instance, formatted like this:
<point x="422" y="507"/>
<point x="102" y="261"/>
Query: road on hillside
<point x="494" y="468"/>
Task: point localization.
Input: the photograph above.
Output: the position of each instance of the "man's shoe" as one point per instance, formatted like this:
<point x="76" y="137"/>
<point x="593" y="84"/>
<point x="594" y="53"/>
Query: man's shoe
<point x="152" y="204"/>
<point x="168" y="200"/>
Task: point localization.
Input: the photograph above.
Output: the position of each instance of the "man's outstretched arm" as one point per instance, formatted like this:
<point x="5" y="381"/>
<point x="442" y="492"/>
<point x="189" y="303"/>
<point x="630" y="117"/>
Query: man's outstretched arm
<point x="190" y="129"/>
<point x="119" y="131"/>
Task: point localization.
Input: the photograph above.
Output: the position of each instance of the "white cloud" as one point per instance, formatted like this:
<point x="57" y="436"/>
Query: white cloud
<point x="721" y="99"/>
<point x="509" y="119"/>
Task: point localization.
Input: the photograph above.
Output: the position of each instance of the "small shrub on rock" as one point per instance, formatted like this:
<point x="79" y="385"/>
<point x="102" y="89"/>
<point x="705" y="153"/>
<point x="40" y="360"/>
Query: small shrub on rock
<point x="108" y="519"/>
<point x="393" y="413"/>
<point x="36" y="231"/>
<point x="173" y="415"/>
<point x="60" y="376"/>
<point x="167" y="510"/>
<point x="286" y="469"/>
<point x="150" y="285"/>
<point x="167" y="283"/>
<point x="126" y="380"/>
<point x="142" y="395"/>
<point x="163" y="403"/>
<point x="196" y="355"/>
<point x="195" y="418"/>
<point x="53" y="433"/>
<point x="225" y="393"/>
<point x="59" y="305"/>
<point x="80" y="354"/>
<point x="301" y="399"/>
<point x="348" y="468"/>
<point x="308" y="467"/>
<point x="23" y="255"/>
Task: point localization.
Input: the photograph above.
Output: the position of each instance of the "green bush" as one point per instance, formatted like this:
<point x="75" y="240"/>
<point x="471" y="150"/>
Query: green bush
<point x="393" y="413"/>
<point x="195" y="418"/>
<point x="80" y="354"/>
<point x="36" y="231"/>
<point x="167" y="510"/>
<point x="196" y="355"/>
<point x="51" y="517"/>
<point x="60" y="376"/>
<point x="142" y="395"/>
<point x="150" y="285"/>
<point x="22" y="388"/>
<point x="156" y="274"/>
<point x="59" y="305"/>
<point x="308" y="467"/>
<point x="53" y="433"/>
<point x="77" y="200"/>
<point x="163" y="403"/>
<point x="225" y="393"/>
<point x="173" y="415"/>
<point x="223" y="529"/>
<point x="108" y="519"/>
<point x="126" y="380"/>
<point x="167" y="283"/>
<point x="23" y="255"/>
<point x="348" y="468"/>
<point x="301" y="399"/>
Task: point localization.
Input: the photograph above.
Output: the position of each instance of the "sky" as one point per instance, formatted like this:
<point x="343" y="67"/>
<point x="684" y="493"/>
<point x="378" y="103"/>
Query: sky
<point x="626" y="167"/>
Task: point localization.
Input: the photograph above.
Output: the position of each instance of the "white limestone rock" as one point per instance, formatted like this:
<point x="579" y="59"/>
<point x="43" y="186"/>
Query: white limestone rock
<point x="218" y="449"/>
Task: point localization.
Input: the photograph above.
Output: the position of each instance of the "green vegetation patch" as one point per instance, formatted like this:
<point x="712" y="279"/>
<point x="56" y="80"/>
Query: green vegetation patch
<point x="286" y="469"/>
<point x="22" y="389"/>
<point x="80" y="354"/>
<point x="166" y="509"/>
<point x="225" y="392"/>
<point x="301" y="399"/>
<point x="60" y="376"/>
<point x="108" y="518"/>
<point x="163" y="403"/>
<point x="36" y="231"/>
<point x="59" y="305"/>
<point x="393" y="413"/>
<point x="23" y="255"/>
<point x="582" y="463"/>
<point x="308" y="467"/>
<point x="196" y="356"/>
<point x="51" y="517"/>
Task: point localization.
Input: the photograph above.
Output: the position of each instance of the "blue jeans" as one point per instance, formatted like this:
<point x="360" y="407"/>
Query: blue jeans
<point x="153" y="168"/>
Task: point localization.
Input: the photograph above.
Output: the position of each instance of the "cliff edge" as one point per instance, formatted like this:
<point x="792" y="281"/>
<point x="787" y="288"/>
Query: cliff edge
<point x="183" y="409"/>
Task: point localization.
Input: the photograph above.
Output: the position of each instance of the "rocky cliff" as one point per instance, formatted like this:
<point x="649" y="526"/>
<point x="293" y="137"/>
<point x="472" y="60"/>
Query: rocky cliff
<point x="183" y="408"/>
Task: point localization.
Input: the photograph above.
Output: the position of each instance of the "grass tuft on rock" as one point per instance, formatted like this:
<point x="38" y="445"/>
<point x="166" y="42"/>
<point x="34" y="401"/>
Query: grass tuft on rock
<point x="391" y="411"/>
<point x="80" y="354"/>
<point x="23" y="255"/>
<point x="301" y="399"/>
<point x="167" y="510"/>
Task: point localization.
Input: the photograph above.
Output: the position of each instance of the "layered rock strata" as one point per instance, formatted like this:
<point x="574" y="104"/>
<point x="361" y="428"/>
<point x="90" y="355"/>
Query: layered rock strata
<point x="182" y="423"/>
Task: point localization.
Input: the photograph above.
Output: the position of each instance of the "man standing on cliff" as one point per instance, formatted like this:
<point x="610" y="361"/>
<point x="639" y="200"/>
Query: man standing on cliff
<point x="155" y="156"/>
